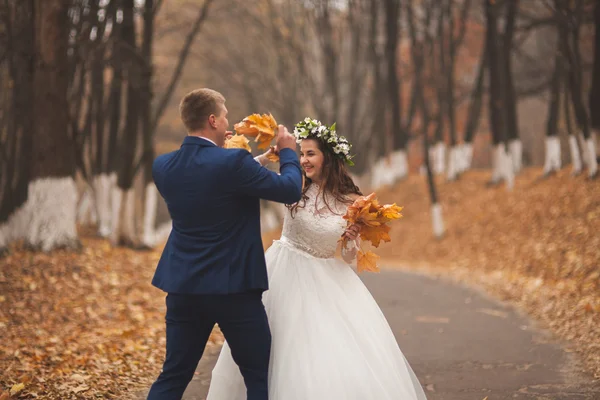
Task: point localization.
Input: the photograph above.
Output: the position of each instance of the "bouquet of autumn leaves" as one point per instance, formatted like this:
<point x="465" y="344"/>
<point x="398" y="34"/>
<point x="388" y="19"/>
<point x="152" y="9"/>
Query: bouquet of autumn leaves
<point x="261" y="127"/>
<point x="373" y="219"/>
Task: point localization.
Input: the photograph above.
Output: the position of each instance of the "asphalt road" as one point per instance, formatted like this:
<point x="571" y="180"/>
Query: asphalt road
<point x="461" y="344"/>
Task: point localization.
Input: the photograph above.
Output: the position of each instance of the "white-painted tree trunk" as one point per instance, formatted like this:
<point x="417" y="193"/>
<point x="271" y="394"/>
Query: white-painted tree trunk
<point x="151" y="201"/>
<point x="509" y="170"/>
<point x="516" y="154"/>
<point x="163" y="231"/>
<point x="399" y="165"/>
<point x="552" y="162"/>
<point x="3" y="237"/>
<point x="454" y="163"/>
<point x="497" y="163"/>
<point x="439" y="158"/>
<point x="128" y="222"/>
<point x="269" y="220"/>
<point x="382" y="173"/>
<point x="575" y="155"/>
<point x="122" y="218"/>
<point x="503" y="167"/>
<point x="103" y="185"/>
<point x="48" y="219"/>
<point x="437" y="220"/>
<point x="86" y="212"/>
<point x="466" y="156"/>
<point x="592" y="161"/>
<point x="116" y="200"/>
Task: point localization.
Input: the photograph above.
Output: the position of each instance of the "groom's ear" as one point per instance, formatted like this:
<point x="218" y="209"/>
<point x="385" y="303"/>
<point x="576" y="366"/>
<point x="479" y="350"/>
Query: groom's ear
<point x="212" y="120"/>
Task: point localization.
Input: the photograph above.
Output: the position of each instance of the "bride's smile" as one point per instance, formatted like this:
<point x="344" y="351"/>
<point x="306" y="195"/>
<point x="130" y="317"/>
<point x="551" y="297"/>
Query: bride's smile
<point x="311" y="159"/>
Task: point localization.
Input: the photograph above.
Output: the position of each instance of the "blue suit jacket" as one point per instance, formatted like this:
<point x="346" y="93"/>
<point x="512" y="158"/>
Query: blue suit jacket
<point x="215" y="246"/>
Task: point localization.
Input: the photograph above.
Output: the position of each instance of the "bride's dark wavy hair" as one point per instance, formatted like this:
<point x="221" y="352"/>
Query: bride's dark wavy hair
<point x="336" y="181"/>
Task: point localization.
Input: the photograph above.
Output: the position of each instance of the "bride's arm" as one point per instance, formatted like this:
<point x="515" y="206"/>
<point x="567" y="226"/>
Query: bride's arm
<point x="350" y="250"/>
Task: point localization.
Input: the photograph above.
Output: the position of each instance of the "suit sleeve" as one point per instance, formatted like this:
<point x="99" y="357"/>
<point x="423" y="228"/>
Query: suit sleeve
<point x="157" y="172"/>
<point x="254" y="180"/>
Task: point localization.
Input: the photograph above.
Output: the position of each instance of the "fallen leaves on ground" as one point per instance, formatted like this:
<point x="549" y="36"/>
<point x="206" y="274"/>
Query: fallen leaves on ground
<point x="373" y="218"/>
<point x="80" y="325"/>
<point x="536" y="246"/>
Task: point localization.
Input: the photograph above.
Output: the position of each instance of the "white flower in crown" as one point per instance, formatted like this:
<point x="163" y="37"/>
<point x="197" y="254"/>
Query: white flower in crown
<point x="313" y="128"/>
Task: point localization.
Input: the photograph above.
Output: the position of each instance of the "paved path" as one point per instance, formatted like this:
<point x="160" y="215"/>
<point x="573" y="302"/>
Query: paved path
<point x="462" y="345"/>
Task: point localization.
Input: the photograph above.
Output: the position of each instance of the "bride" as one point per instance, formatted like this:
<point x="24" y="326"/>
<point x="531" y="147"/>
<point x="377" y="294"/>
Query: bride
<point x="330" y="340"/>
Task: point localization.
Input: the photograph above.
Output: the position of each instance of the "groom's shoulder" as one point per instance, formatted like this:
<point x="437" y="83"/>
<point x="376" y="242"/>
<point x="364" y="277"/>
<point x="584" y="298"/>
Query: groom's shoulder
<point x="233" y="157"/>
<point x="163" y="158"/>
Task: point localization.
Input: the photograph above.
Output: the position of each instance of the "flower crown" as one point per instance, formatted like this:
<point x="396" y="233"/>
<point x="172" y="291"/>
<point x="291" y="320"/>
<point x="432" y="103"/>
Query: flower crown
<point x="308" y="128"/>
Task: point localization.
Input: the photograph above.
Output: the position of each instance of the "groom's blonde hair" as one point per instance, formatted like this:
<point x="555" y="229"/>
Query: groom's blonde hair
<point x="198" y="105"/>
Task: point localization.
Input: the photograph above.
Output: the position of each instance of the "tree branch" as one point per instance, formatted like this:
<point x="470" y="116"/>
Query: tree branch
<point x="179" y="68"/>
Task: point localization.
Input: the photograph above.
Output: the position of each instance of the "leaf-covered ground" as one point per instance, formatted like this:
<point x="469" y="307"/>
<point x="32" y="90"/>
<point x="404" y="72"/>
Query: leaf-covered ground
<point x="80" y="325"/>
<point x="537" y="246"/>
<point x="89" y="325"/>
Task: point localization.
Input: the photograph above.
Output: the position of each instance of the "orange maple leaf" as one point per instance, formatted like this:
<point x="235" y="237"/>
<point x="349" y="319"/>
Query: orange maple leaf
<point x="375" y="234"/>
<point x="237" y="142"/>
<point x="391" y="211"/>
<point x="273" y="157"/>
<point x="373" y="218"/>
<point x="261" y="127"/>
<point x="367" y="261"/>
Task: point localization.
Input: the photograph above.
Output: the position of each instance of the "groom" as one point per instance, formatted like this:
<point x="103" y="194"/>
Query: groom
<point x="213" y="265"/>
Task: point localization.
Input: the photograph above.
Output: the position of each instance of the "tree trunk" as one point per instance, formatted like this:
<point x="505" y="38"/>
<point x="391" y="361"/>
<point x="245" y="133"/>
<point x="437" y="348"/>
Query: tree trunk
<point x="571" y="45"/>
<point x="417" y="49"/>
<point x="105" y="183"/>
<point x="453" y="160"/>
<point x="52" y="202"/>
<point x="553" y="157"/>
<point x="442" y="100"/>
<point x="573" y="133"/>
<point x="594" y="96"/>
<point x="399" y="159"/>
<point x="151" y="195"/>
<point x="510" y="98"/>
<point x="379" y="171"/>
<point x="123" y="226"/>
<point x="474" y="113"/>
<point x="502" y="164"/>
<point x="459" y="157"/>
<point x="15" y="156"/>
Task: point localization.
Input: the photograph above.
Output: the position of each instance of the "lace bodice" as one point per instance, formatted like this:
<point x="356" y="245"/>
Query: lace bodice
<point x="315" y="229"/>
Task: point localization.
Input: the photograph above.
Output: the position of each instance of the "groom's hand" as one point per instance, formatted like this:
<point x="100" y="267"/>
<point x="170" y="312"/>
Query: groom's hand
<point x="285" y="140"/>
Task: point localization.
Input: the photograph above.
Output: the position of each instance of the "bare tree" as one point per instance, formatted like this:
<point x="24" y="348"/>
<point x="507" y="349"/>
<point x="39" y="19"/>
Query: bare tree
<point x="454" y="39"/>
<point x="502" y="162"/>
<point x="570" y="18"/>
<point x="474" y="112"/>
<point x="16" y="117"/>
<point x="52" y="191"/>
<point x="418" y="49"/>
<point x="553" y="157"/>
<point x="594" y="96"/>
<point x="509" y="104"/>
<point x="399" y="158"/>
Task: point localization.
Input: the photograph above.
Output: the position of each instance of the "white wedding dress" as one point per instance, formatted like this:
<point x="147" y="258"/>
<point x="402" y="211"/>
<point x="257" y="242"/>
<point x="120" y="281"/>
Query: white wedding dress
<point x="330" y="340"/>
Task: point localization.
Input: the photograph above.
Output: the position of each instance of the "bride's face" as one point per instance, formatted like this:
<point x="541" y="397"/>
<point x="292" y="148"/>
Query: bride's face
<point x="311" y="159"/>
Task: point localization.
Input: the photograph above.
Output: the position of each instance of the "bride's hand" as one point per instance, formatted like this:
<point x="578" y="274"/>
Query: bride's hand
<point x="263" y="159"/>
<point x="352" y="232"/>
<point x="272" y="150"/>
